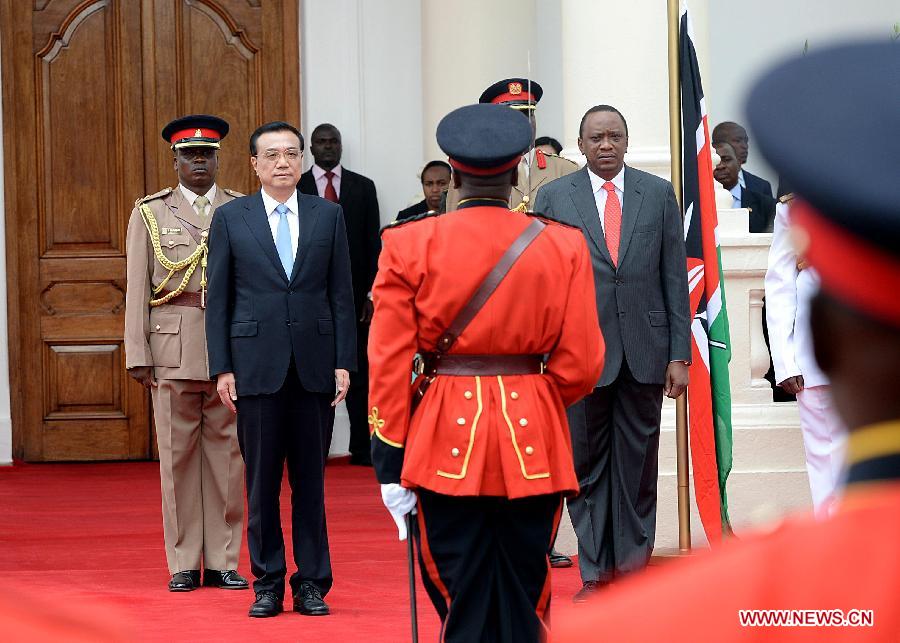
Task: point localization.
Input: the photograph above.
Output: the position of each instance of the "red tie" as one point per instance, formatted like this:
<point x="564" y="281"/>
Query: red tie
<point x="612" y="221"/>
<point x="330" y="192"/>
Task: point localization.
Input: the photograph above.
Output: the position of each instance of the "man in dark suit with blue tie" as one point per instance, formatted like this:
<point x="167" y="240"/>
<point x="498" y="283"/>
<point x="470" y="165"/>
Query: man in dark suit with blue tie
<point x="634" y="232"/>
<point x="281" y="335"/>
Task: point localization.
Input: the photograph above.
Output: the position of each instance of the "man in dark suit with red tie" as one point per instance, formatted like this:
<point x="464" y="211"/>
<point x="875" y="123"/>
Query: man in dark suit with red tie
<point x="355" y="193"/>
<point x="635" y="235"/>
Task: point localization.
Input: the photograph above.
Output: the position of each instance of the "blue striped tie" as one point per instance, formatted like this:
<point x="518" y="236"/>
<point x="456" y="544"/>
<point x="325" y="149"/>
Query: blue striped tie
<point x="283" y="240"/>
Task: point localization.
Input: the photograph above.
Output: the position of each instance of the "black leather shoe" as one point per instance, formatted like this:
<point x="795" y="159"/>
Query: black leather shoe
<point x="186" y="581"/>
<point x="588" y="590"/>
<point x="229" y="579"/>
<point x="308" y="601"/>
<point x="559" y="560"/>
<point x="267" y="604"/>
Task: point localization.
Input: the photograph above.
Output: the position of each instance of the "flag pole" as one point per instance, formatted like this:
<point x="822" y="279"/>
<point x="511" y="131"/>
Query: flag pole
<point x="681" y="431"/>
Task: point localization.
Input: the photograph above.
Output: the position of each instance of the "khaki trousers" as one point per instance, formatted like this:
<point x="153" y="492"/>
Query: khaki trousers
<point x="201" y="474"/>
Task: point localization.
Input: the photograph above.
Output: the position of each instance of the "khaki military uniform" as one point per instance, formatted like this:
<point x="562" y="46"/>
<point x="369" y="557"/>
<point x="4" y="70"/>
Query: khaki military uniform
<point x="201" y="470"/>
<point x="557" y="166"/>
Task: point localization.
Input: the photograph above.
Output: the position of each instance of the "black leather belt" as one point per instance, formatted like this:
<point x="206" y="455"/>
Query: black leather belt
<point x="431" y="364"/>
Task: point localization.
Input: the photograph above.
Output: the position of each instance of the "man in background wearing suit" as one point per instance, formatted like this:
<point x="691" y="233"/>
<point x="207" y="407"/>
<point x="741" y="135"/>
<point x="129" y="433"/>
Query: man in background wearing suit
<point x="736" y="136"/>
<point x="760" y="205"/>
<point x="200" y="465"/>
<point x="435" y="182"/>
<point x="282" y="335"/>
<point x="356" y="196"/>
<point x="635" y="235"/>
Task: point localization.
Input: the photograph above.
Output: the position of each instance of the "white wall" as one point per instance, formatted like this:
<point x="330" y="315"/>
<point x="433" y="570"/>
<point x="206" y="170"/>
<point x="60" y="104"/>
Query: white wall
<point x="748" y="37"/>
<point x="5" y="420"/>
<point x="362" y="72"/>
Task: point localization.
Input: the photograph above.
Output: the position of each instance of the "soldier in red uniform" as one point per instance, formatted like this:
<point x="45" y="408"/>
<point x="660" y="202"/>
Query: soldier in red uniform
<point x="487" y="450"/>
<point x="842" y="574"/>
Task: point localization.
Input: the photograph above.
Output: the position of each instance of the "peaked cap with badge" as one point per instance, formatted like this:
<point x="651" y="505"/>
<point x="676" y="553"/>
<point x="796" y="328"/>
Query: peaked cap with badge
<point x="537" y="167"/>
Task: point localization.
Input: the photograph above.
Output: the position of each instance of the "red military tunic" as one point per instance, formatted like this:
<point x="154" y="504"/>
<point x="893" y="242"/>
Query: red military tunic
<point x="490" y="435"/>
<point x="827" y="571"/>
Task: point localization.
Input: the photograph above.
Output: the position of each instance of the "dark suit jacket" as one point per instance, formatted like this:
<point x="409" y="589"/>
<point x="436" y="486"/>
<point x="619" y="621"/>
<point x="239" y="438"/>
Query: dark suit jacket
<point x="643" y="305"/>
<point x="361" y="215"/>
<point x="257" y="317"/>
<point x="417" y="208"/>
<point x="762" y="210"/>
<point x="757" y="184"/>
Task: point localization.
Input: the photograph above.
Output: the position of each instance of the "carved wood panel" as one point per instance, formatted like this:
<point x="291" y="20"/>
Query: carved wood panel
<point x="87" y="87"/>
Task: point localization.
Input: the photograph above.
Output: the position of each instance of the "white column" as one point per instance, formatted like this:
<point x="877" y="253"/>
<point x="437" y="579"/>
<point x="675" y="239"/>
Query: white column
<point x="362" y="72"/>
<point x="616" y="53"/>
<point x="466" y="46"/>
<point x="5" y="419"/>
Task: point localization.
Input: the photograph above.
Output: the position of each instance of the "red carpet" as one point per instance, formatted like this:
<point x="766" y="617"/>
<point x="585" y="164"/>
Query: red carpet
<point x="88" y="538"/>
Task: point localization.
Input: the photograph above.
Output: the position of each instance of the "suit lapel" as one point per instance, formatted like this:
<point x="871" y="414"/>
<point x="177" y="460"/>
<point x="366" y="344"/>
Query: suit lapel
<point x="256" y="220"/>
<point x="633" y="196"/>
<point x="346" y="189"/>
<point x="586" y="206"/>
<point x="221" y="199"/>
<point x="308" y="215"/>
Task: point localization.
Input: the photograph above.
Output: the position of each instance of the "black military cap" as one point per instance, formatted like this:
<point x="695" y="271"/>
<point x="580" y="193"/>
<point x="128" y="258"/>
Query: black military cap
<point x="196" y="130"/>
<point x="829" y="123"/>
<point x="483" y="140"/>
<point x="517" y="93"/>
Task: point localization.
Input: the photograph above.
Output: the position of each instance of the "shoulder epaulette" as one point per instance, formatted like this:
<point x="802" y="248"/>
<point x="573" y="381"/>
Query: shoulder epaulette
<point x="418" y="217"/>
<point x="155" y="195"/>
<point x="233" y="193"/>
<point x="563" y="158"/>
<point x="786" y="198"/>
<point x="550" y="219"/>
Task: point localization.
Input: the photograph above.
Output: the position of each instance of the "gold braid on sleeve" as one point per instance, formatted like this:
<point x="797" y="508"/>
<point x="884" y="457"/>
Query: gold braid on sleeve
<point x="188" y="264"/>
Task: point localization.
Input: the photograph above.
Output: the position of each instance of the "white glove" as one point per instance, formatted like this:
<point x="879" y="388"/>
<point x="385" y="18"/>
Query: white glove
<point x="399" y="501"/>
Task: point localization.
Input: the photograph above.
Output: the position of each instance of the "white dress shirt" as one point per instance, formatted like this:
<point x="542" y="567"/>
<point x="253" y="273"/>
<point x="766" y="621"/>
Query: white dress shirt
<point x="600" y="194"/>
<point x="322" y="181"/>
<point x="191" y="197"/>
<point x="741" y="180"/>
<point x="293" y="217"/>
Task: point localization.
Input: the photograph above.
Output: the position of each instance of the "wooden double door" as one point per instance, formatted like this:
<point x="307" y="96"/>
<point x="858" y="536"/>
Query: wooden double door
<point x="87" y="87"/>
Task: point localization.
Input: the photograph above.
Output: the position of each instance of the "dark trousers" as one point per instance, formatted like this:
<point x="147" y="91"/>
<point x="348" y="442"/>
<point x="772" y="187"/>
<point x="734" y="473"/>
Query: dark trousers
<point x="294" y="425"/>
<point x="358" y="399"/>
<point x="615" y="441"/>
<point x="484" y="564"/>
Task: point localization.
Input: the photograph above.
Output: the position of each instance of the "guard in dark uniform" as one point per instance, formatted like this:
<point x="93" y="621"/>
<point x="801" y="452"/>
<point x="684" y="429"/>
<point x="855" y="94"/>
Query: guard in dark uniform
<point x="841" y="573"/>
<point x="487" y="450"/>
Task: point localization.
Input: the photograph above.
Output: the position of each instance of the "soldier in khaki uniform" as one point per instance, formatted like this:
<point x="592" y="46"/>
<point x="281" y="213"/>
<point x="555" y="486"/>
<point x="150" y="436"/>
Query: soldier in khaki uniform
<point x="201" y="470"/>
<point x="537" y="167"/>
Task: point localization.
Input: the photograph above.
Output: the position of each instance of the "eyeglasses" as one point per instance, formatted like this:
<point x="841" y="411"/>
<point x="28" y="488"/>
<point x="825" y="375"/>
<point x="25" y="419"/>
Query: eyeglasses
<point x="291" y="155"/>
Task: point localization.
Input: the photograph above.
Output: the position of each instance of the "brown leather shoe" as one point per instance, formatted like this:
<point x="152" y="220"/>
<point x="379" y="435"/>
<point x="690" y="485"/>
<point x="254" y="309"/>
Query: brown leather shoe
<point x="186" y="581"/>
<point x="228" y="579"/>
